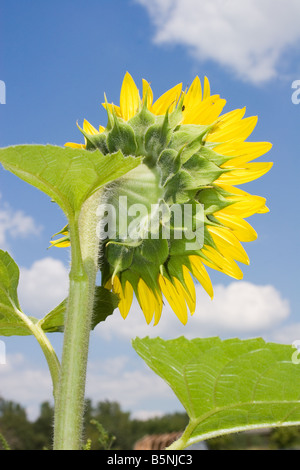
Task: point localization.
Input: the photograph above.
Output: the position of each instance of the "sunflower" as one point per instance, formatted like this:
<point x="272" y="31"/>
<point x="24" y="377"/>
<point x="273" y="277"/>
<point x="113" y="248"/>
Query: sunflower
<point x="193" y="155"/>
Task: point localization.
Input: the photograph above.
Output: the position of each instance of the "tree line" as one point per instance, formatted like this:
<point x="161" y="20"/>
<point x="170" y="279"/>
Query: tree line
<point x="107" y="426"/>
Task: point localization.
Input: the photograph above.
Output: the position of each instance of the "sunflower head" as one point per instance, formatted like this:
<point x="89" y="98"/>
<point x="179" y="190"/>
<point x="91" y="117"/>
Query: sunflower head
<point x="193" y="156"/>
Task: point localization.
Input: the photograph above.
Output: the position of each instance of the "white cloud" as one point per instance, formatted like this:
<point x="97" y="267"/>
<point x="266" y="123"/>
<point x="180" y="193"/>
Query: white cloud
<point x="245" y="307"/>
<point x="144" y="415"/>
<point x="25" y="384"/>
<point x="43" y="286"/>
<point x="249" y="37"/>
<point x="15" y="224"/>
<point x="287" y="334"/>
<point x="241" y="308"/>
<point x="113" y="379"/>
<point x="130" y="387"/>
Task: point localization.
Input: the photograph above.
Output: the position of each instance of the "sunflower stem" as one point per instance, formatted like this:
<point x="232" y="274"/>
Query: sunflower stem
<point x="69" y="406"/>
<point x="182" y="442"/>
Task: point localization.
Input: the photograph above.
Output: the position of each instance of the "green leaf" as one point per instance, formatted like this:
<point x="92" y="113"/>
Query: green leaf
<point x="169" y="162"/>
<point x="119" y="256"/>
<point x="227" y="386"/>
<point x="188" y="140"/>
<point x="68" y="176"/>
<point x="202" y="170"/>
<point x="12" y="320"/>
<point x="140" y="123"/>
<point x="54" y="321"/>
<point x="213" y="200"/>
<point x="157" y="137"/>
<point x="121" y="137"/>
<point x="105" y="304"/>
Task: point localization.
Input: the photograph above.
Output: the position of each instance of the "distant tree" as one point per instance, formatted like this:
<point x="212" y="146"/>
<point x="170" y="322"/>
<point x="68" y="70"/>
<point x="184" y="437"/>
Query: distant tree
<point x="119" y="430"/>
<point x="108" y="426"/>
<point x="286" y="437"/>
<point x="14" y="426"/>
<point x="43" y="427"/>
<point x="115" y="422"/>
<point x="164" y="424"/>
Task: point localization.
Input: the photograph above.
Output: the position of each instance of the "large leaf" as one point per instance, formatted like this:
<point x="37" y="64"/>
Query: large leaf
<point x="227" y="386"/>
<point x="12" y="320"/>
<point x="68" y="176"/>
<point x="105" y="304"/>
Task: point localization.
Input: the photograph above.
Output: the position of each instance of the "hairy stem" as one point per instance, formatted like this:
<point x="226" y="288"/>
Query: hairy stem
<point x="46" y="346"/>
<point x="69" y="406"/>
<point x="182" y="442"/>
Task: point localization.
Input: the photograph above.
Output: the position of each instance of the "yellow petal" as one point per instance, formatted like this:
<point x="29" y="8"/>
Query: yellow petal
<point x="231" y="117"/>
<point x="212" y="113"/>
<point x="158" y="308"/>
<point x="244" y="204"/>
<point x="101" y="129"/>
<point x="167" y="101"/>
<point x="241" y="229"/>
<point x="195" y="114"/>
<point x="242" y="152"/>
<point x="126" y="301"/>
<point x="123" y="303"/>
<point x="188" y="297"/>
<point x="108" y="284"/>
<point x="63" y="231"/>
<point x="113" y="109"/>
<point x="237" y="193"/>
<point x="117" y="287"/>
<point x="263" y="210"/>
<point x="250" y="172"/>
<point x="147" y="91"/>
<point x="89" y="129"/>
<point x="220" y="263"/>
<point x="228" y="244"/>
<point x="206" y="88"/>
<point x="234" y="132"/>
<point x="244" y="208"/>
<point x="176" y="301"/>
<point x="125" y="295"/>
<point x="146" y="300"/>
<point x="194" y="95"/>
<point x="61" y="242"/>
<point x="200" y="273"/>
<point x="129" y="98"/>
<point x="75" y="146"/>
<point x="190" y="286"/>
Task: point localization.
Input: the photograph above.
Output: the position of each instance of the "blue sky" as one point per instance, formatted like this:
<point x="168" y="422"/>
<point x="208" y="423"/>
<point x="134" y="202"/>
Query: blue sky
<point x="57" y="59"/>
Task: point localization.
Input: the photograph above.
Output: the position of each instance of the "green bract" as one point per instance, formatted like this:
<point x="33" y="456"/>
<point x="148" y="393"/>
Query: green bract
<point x="177" y="167"/>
